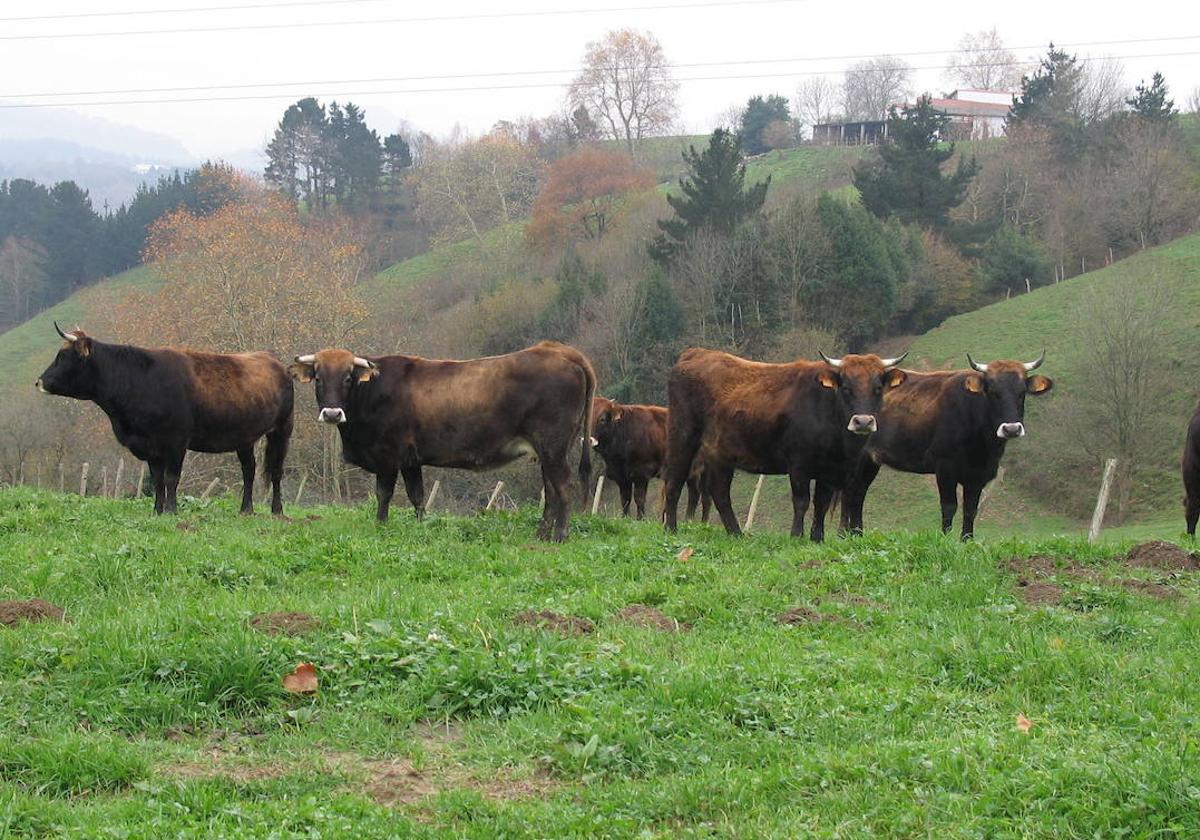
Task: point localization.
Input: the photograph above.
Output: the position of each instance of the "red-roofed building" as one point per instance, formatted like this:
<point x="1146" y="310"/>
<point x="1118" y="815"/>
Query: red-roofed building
<point x="975" y="114"/>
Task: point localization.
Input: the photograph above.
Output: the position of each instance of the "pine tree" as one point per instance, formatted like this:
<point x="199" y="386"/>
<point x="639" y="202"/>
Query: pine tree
<point x="759" y="114"/>
<point x="714" y="195"/>
<point x="1151" y="103"/>
<point x="907" y="181"/>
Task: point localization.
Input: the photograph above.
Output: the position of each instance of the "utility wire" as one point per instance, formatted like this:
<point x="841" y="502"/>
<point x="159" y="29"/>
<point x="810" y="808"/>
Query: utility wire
<point x="187" y="10"/>
<point x="518" y="86"/>
<point x="510" y="73"/>
<point x="254" y="27"/>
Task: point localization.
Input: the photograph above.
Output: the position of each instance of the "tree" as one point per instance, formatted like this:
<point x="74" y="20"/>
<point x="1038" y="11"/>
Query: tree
<point x="873" y="86"/>
<point x="356" y="157"/>
<point x="397" y="158"/>
<point x="582" y="195"/>
<point x="22" y="278"/>
<point x="1150" y="192"/>
<point x="299" y="154"/>
<point x="627" y="85"/>
<point x="757" y="117"/>
<point x="583" y="127"/>
<point x="714" y="194"/>
<point x="1151" y="103"/>
<point x="1063" y="97"/>
<point x="907" y="180"/>
<point x="1010" y="258"/>
<point x="983" y="63"/>
<point x="817" y="100"/>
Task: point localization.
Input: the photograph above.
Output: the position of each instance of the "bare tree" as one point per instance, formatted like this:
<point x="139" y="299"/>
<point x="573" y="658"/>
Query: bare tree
<point x="817" y="100"/>
<point x="1150" y="190"/>
<point x="627" y="86"/>
<point x="1102" y="89"/>
<point x="874" y="85"/>
<point x="1193" y="101"/>
<point x="983" y="63"/>
<point x="22" y="277"/>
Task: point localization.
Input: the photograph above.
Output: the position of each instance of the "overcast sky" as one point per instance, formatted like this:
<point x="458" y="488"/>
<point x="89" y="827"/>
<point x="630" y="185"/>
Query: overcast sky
<point x="824" y="34"/>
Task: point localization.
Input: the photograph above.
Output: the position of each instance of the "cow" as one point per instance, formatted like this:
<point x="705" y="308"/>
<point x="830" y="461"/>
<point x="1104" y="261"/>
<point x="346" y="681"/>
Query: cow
<point x="953" y="424"/>
<point x="632" y="439"/>
<point x="1191" y="474"/>
<point x="397" y="414"/>
<point x="163" y="402"/>
<point x="808" y="420"/>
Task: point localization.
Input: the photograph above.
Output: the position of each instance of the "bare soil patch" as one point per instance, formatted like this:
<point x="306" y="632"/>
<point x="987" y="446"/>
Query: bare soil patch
<point x="217" y="766"/>
<point x="567" y="625"/>
<point x="806" y="615"/>
<point x="1149" y="587"/>
<point x="184" y="526"/>
<point x="651" y="618"/>
<point x="285" y="623"/>
<point x="1040" y="593"/>
<point x="1158" y="554"/>
<point x="32" y="610"/>
<point x="856" y="600"/>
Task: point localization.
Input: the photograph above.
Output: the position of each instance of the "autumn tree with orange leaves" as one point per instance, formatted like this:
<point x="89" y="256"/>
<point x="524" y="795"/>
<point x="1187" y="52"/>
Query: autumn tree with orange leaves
<point x="582" y="196"/>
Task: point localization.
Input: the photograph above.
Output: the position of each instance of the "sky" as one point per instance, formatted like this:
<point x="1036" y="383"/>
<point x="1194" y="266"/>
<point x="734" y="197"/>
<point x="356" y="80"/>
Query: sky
<point x="768" y="46"/>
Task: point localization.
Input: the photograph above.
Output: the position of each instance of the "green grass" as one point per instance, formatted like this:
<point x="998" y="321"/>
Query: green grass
<point x="156" y="712"/>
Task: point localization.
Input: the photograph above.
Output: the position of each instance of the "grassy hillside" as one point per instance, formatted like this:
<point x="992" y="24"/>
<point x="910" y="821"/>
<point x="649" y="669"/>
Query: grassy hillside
<point x="920" y="689"/>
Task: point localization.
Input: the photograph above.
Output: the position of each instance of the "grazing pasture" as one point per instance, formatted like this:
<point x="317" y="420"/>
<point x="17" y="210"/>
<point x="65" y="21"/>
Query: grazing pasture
<point x="471" y="682"/>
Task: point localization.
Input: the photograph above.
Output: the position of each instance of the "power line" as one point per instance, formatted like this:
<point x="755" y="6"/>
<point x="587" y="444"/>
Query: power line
<point x="511" y="73"/>
<point x="379" y="21"/>
<point x="519" y="86"/>
<point x="186" y="10"/>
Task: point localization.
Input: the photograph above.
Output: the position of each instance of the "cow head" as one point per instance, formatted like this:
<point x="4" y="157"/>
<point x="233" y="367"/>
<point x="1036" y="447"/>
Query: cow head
<point x="336" y="374"/>
<point x="72" y="373"/>
<point x="1004" y="385"/>
<point x="859" y="383"/>
<point x="605" y="415"/>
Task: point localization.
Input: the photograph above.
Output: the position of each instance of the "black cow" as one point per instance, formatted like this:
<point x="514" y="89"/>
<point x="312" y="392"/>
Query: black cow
<point x="1191" y="474"/>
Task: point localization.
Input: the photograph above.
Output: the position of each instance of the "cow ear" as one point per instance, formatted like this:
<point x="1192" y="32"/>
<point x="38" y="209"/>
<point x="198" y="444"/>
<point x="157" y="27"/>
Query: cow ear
<point x="974" y="384"/>
<point x="894" y="377"/>
<point x="367" y="374"/>
<point x="827" y="379"/>
<point x="82" y="346"/>
<point x="616" y="414"/>
<point x="1038" y="384"/>
<point x="301" y="372"/>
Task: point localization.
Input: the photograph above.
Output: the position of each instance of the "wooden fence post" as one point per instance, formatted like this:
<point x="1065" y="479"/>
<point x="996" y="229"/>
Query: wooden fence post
<point x="300" y="489"/>
<point x="599" y="493"/>
<point x="753" y="504"/>
<point x="62" y="477"/>
<point x="39" y="475"/>
<point x="137" y="491"/>
<point x="104" y="480"/>
<point x="495" y="495"/>
<point x="433" y="491"/>
<point x="83" y="479"/>
<point x="1110" y="467"/>
<point x="117" y="481"/>
<point x="208" y="490"/>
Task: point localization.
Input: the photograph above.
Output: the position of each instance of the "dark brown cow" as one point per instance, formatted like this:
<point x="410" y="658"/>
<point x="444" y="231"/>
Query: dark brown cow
<point x="397" y="414"/>
<point x="632" y="439"/>
<point x="806" y="420"/>
<point x="162" y="402"/>
<point x="1191" y="474"/>
<point x="953" y="424"/>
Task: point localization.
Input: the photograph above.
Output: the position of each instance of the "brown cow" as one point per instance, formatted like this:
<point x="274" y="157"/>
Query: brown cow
<point x="162" y="402"/>
<point x="807" y="420"/>
<point x="953" y="424"/>
<point x="397" y="414"/>
<point x="1191" y="474"/>
<point x="632" y="439"/>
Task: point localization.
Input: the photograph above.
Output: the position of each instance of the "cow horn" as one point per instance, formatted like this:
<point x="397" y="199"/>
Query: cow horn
<point x="888" y="364"/>
<point x="837" y="363"/>
<point x="67" y="336"/>
<point x="359" y="361"/>
<point x="1034" y="365"/>
<point x="976" y="365"/>
<point x="307" y="360"/>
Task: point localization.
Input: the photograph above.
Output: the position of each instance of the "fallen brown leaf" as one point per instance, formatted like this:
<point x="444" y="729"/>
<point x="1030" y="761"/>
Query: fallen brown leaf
<point x="303" y="680"/>
<point x="1024" y="724"/>
<point x="685" y="555"/>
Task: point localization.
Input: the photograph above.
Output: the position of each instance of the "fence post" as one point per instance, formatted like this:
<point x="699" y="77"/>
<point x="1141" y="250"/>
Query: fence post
<point x="495" y="495"/>
<point x="433" y="491"/>
<point x="300" y="489"/>
<point x="208" y="490"/>
<point x="137" y="491"/>
<point x="104" y="480"/>
<point x="62" y="477"/>
<point x="39" y="475"/>
<point x="598" y="494"/>
<point x="1110" y="467"/>
<point x="116" y="494"/>
<point x="83" y="479"/>
<point x="753" y="504"/>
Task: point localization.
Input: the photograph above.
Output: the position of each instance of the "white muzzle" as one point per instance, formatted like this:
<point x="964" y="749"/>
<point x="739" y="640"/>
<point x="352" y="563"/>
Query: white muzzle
<point x="332" y="415"/>
<point x="862" y="424"/>
<point x="1008" y="431"/>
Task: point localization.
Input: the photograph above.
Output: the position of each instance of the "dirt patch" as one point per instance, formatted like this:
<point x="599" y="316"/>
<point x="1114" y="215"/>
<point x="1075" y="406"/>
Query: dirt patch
<point x="436" y="733"/>
<point x="1149" y="587"/>
<point x="216" y="766"/>
<point x="651" y="618"/>
<point x="184" y="526"/>
<point x="1158" y="554"/>
<point x="33" y="610"/>
<point x="398" y="782"/>
<point x="1042" y="593"/>
<point x="806" y="615"/>
<point x="856" y="600"/>
<point x="567" y="625"/>
<point x="1043" y="565"/>
<point x="285" y="623"/>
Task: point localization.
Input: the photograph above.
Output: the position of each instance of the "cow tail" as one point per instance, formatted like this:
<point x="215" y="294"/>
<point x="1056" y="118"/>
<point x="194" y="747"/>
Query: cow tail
<point x="585" y="457"/>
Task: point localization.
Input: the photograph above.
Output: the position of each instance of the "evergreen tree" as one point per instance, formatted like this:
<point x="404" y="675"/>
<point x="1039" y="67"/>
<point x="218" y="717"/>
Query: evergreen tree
<point x="1009" y="259"/>
<point x="714" y="195"/>
<point x="1151" y="103"/>
<point x="397" y="157"/>
<point x="758" y="114"/>
<point x="299" y="154"/>
<point x="1050" y="100"/>
<point x="907" y="181"/>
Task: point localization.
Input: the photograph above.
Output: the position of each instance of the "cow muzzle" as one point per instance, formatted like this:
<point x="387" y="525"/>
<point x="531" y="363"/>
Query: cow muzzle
<point x="332" y="415"/>
<point x="40" y="387"/>
<point x="862" y="424"/>
<point x="1008" y="431"/>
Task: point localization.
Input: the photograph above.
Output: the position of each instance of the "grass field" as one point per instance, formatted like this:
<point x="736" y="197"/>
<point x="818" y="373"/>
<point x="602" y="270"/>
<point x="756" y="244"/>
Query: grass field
<point x="889" y="708"/>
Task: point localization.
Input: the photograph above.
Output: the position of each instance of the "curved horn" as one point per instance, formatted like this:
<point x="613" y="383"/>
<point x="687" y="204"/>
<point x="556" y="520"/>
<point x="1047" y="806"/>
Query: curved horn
<point x="359" y="361"/>
<point x="888" y="364"/>
<point x="307" y="360"/>
<point x="837" y="363"/>
<point x="67" y="336"/>
<point x="976" y="365"/>
<point x="1034" y="365"/>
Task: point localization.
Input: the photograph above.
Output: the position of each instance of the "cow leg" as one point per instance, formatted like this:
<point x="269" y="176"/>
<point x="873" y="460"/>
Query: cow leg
<point x="158" y="476"/>
<point x="625" y="485"/>
<point x="639" y="496"/>
<point x="855" y="494"/>
<point x="385" y="486"/>
<point x="800" y="491"/>
<point x="971" y="494"/>
<point x="682" y="445"/>
<point x="414" y="485"/>
<point x="705" y="502"/>
<point x="693" y="497"/>
<point x="821" y="501"/>
<point x="173" y="468"/>
<point x="948" y="493"/>
<point x="246" y="457"/>
<point x="1191" y="512"/>
<point x="557" y="477"/>
<point x="719" y="482"/>
<point x="277" y="448"/>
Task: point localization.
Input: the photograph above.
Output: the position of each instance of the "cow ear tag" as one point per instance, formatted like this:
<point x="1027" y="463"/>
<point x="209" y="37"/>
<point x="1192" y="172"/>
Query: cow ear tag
<point x="368" y="374"/>
<point x="974" y="384"/>
<point x="826" y="380"/>
<point x="894" y="377"/>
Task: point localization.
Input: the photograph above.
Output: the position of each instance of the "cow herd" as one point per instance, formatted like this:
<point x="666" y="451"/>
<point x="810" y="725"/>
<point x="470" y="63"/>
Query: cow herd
<point x="827" y="425"/>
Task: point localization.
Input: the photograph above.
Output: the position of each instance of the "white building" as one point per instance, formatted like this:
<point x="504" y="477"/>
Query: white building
<point x="975" y="114"/>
